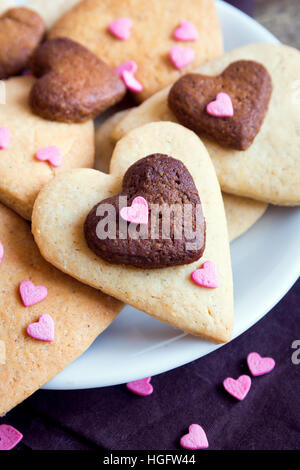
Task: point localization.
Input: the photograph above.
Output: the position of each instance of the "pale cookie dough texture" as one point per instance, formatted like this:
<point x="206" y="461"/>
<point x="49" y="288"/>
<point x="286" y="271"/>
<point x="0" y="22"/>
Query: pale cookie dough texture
<point x="21" y="175"/>
<point x="80" y="314"/>
<point x="104" y="144"/>
<point x="51" y="10"/>
<point x="167" y="294"/>
<point x="241" y="212"/>
<point x="269" y="170"/>
<point x="151" y="35"/>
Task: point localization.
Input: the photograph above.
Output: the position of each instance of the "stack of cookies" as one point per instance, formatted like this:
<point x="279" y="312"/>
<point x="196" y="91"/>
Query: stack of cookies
<point x="143" y="210"/>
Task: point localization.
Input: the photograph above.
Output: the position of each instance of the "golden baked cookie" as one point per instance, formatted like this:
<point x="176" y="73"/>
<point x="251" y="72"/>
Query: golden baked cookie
<point x="151" y="37"/>
<point x="167" y="294"/>
<point x="22" y="175"/>
<point x="269" y="170"/>
<point x="80" y="314"/>
<point x="241" y="213"/>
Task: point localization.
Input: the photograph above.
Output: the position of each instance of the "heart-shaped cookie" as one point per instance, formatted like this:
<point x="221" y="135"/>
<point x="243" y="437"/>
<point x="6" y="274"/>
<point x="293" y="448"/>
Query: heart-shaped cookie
<point x="229" y="108"/>
<point x="151" y="36"/>
<point x="21" y="30"/>
<point x="269" y="170"/>
<point x="79" y="314"/>
<point x="160" y="191"/>
<point x="241" y="212"/>
<point x="22" y="175"/>
<point x="167" y="294"/>
<point x="74" y="85"/>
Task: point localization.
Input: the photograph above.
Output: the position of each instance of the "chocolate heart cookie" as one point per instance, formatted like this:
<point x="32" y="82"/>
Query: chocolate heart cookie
<point x="249" y="86"/>
<point x="166" y="240"/>
<point x="21" y="30"/>
<point x="74" y="85"/>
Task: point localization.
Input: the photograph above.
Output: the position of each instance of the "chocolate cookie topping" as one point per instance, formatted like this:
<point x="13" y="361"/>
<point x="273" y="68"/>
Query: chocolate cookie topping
<point x="74" y="85"/>
<point x="175" y="233"/>
<point x="249" y="86"/>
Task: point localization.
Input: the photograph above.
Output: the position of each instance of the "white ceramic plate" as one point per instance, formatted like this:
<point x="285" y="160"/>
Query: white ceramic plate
<point x="266" y="262"/>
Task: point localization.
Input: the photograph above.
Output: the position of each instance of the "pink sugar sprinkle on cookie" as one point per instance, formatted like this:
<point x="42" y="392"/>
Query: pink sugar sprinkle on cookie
<point x="130" y="66"/>
<point x="51" y="154"/>
<point x="207" y="276"/>
<point x="186" y="31"/>
<point x="238" y="388"/>
<point x="9" y="437"/>
<point x="131" y="82"/>
<point x="181" y="56"/>
<point x="43" y="330"/>
<point x="121" y="28"/>
<point x="259" y="365"/>
<point x="1" y="252"/>
<point x="221" y="107"/>
<point x="31" y="294"/>
<point x="195" y="439"/>
<point x="5" y="136"/>
<point x="137" y="213"/>
<point x="141" y="387"/>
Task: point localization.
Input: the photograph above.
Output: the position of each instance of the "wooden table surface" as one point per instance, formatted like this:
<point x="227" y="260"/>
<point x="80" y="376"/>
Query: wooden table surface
<point x="281" y="17"/>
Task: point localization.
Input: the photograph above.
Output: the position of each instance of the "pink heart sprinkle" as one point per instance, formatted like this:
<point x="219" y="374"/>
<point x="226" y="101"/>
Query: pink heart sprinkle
<point x="137" y="213"/>
<point x="9" y="437"/>
<point x="1" y="252"/>
<point x="207" y="276"/>
<point x="141" y="387"/>
<point x="186" y="31"/>
<point x="259" y="365"/>
<point x="195" y="439"/>
<point x="222" y="107"/>
<point x="4" y="137"/>
<point x="238" y="388"/>
<point x="130" y="66"/>
<point x="43" y="330"/>
<point x="181" y="57"/>
<point x="120" y="28"/>
<point x="51" y="154"/>
<point x="131" y="82"/>
<point x="31" y="294"/>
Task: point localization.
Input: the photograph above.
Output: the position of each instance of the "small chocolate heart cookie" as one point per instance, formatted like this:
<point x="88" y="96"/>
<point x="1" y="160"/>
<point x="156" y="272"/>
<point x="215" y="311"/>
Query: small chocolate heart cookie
<point x="21" y="30"/>
<point x="74" y="85"/>
<point x="249" y="86"/>
<point x="175" y="232"/>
